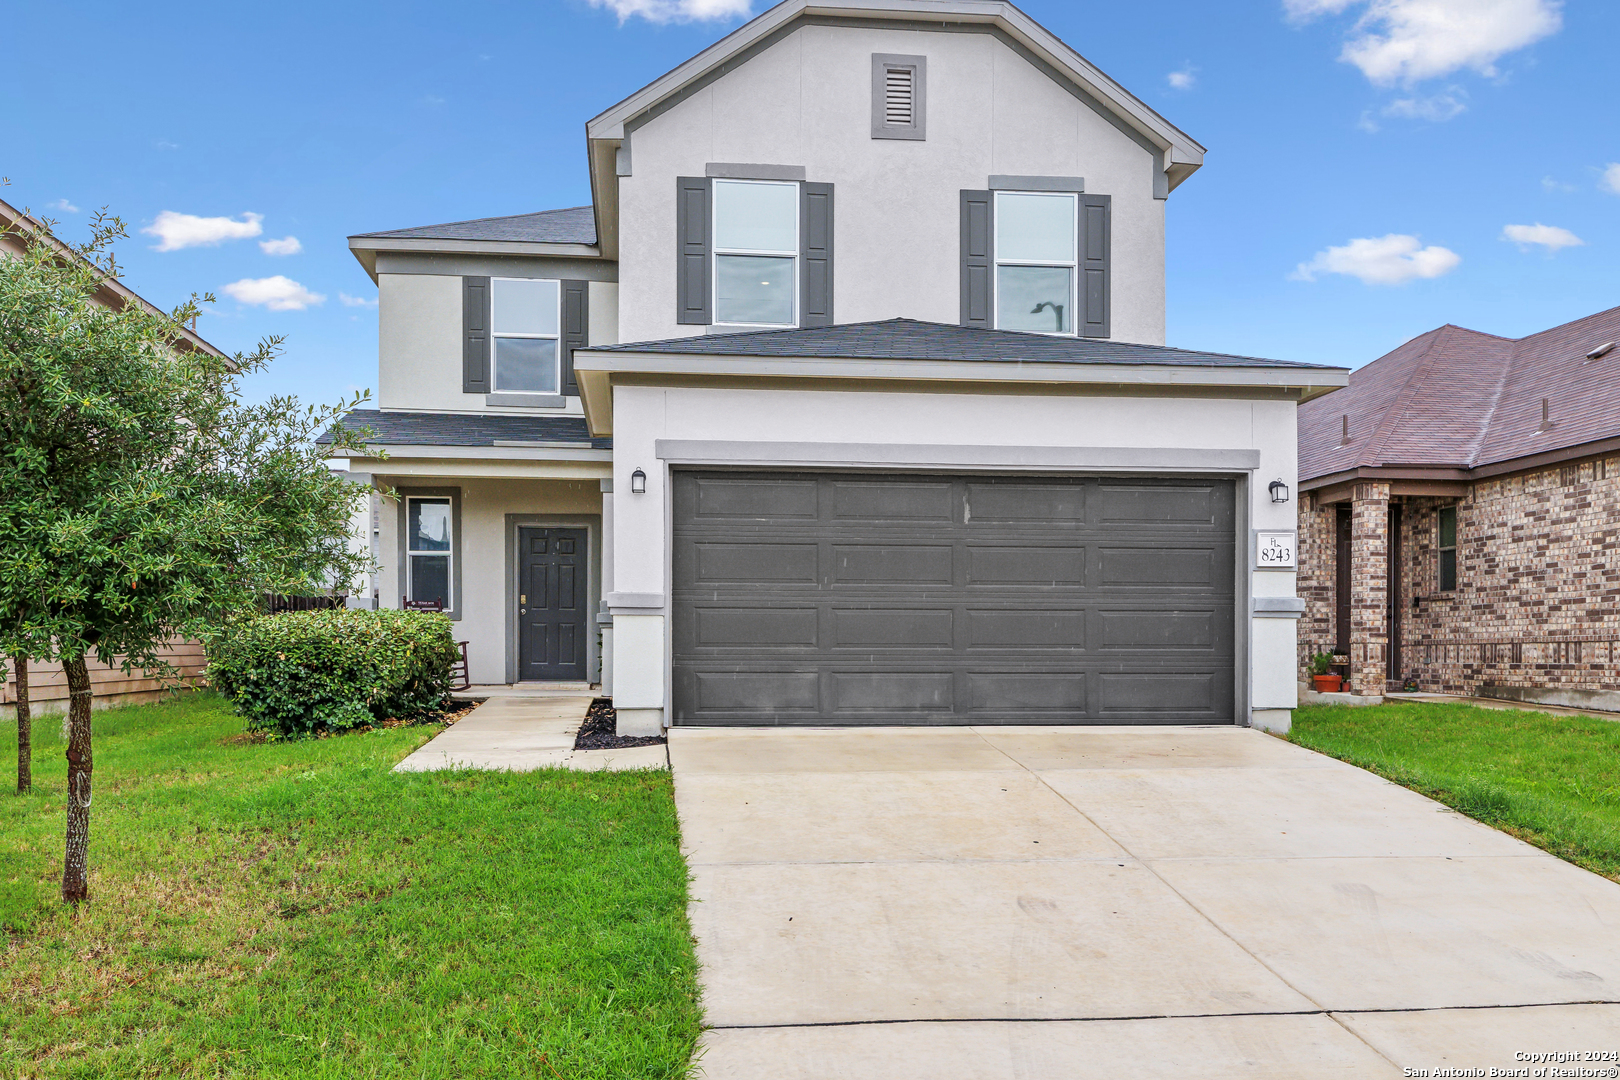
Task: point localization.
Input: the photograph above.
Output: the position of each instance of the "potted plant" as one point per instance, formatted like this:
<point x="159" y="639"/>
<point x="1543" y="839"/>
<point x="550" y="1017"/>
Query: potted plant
<point x="1321" y="681"/>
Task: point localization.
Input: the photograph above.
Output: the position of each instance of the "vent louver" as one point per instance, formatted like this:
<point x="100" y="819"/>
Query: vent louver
<point x="898" y="96"/>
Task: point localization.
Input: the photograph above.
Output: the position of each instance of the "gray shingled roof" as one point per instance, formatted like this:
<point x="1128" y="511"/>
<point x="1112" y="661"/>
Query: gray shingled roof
<point x="909" y="339"/>
<point x="469" y="429"/>
<point x="575" y="225"/>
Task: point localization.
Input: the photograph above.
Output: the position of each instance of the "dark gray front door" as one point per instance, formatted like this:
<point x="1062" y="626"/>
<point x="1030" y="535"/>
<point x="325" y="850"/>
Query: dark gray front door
<point x="814" y="598"/>
<point x="552" y="598"/>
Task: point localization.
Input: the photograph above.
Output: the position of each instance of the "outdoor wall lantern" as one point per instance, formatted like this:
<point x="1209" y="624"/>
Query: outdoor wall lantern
<point x="1279" y="491"/>
<point x="638" y="483"/>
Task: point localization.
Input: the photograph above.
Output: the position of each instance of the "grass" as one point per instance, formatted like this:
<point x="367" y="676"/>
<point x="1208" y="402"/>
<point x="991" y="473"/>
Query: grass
<point x="296" y="910"/>
<point x="1553" y="780"/>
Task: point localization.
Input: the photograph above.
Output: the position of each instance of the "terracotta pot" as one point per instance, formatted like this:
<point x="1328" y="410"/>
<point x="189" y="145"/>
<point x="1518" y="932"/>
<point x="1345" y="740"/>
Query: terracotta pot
<point x="1327" y="684"/>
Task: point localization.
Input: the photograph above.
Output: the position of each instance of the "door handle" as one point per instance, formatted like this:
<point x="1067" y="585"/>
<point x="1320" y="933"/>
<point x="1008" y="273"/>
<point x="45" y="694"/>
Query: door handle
<point x="523" y="611"/>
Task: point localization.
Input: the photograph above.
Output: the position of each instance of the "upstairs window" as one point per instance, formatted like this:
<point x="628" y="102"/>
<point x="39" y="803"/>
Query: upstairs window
<point x="1448" y="549"/>
<point x="429" y="548"/>
<point x="756" y="252"/>
<point x="1036" y="243"/>
<point x="524" y="321"/>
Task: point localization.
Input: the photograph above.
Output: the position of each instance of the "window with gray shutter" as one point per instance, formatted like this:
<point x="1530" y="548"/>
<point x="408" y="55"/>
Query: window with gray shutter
<point x="816" y="254"/>
<point x="1095" y="243"/>
<point x="976" y="258"/>
<point x="475" y="335"/>
<point x="692" y="304"/>
<point x="899" y="96"/>
<point x="575" y="330"/>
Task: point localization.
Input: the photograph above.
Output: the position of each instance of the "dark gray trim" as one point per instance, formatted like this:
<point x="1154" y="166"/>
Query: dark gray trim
<point x="693" y="305"/>
<point x="815" y="254"/>
<point x="882" y="64"/>
<point x="1038" y="183"/>
<point x="592" y="524"/>
<point x="921" y="456"/>
<point x="475" y="341"/>
<point x="403" y="513"/>
<point x="575" y="331"/>
<point x="977" y="252"/>
<point x="731" y="170"/>
<point x="526" y="401"/>
<point x="1096" y="243"/>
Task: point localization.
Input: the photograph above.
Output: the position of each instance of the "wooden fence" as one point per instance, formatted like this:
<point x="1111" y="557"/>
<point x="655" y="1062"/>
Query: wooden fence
<point x="48" y="692"/>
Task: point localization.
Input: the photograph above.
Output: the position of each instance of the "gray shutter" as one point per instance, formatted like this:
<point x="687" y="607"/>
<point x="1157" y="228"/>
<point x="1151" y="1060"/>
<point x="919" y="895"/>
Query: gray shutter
<point x="475" y="335"/>
<point x="816" y="251"/>
<point x="976" y="255"/>
<point x="692" y="250"/>
<point x="1094" y="265"/>
<point x="575" y="330"/>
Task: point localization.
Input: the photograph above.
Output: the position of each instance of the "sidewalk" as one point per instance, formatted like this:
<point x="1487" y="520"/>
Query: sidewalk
<point x="520" y="730"/>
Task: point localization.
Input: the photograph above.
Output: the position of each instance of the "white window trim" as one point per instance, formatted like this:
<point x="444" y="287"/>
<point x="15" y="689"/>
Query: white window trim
<point x="494" y="353"/>
<point x="996" y="263"/>
<point x="449" y="553"/>
<point x="716" y="251"/>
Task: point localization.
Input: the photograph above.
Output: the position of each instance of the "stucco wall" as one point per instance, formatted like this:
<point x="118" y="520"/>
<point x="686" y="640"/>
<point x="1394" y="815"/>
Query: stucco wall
<point x="1537" y="602"/>
<point x="645" y="414"/>
<point x="806" y="101"/>
<point x="486" y="592"/>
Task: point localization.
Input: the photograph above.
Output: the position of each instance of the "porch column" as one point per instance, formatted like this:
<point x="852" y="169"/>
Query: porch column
<point x="604" y="617"/>
<point x="1369" y="589"/>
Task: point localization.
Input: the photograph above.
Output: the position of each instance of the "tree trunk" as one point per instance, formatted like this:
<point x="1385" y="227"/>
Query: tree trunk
<point x="25" y="728"/>
<point x="75" y="886"/>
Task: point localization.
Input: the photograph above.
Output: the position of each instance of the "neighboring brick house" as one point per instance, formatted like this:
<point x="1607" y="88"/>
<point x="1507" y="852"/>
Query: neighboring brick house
<point x="1476" y="481"/>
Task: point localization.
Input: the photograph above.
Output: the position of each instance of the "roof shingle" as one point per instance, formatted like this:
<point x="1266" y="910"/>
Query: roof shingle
<point x="574" y="225"/>
<point x="469" y="429"/>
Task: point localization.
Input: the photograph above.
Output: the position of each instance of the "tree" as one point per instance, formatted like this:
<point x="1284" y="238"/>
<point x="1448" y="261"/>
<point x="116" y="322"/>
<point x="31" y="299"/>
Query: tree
<point x="140" y="499"/>
<point x="25" y="726"/>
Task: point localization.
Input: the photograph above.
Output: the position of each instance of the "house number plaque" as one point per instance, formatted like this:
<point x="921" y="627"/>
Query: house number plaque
<point x="1276" y="550"/>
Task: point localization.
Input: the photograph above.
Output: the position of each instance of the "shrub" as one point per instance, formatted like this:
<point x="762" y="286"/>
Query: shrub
<point x="304" y="672"/>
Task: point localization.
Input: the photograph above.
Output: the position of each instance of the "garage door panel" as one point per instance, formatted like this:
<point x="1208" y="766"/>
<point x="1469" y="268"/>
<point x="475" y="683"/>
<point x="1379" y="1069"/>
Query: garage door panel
<point x="857" y="599"/>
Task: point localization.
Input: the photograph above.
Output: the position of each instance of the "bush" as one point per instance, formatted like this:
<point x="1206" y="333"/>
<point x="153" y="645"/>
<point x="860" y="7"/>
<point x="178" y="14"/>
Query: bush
<point x="304" y="672"/>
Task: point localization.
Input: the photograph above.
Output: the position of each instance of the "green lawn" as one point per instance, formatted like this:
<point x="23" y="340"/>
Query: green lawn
<point x="296" y="910"/>
<point x="1551" y="780"/>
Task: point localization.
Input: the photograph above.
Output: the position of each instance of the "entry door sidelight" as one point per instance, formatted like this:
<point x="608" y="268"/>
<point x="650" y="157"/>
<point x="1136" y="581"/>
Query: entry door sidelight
<point x="551" y="602"/>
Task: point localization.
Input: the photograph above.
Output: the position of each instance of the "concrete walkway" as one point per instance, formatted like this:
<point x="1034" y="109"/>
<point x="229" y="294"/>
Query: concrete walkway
<point x="519" y="732"/>
<point x="1040" y="903"/>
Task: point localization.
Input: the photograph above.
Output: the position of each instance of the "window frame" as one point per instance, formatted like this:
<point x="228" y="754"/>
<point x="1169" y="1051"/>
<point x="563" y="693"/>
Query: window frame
<point x="716" y="252"/>
<point x="1073" y="266"/>
<point x="1442" y="550"/>
<point x="494" y="339"/>
<point x="452" y="606"/>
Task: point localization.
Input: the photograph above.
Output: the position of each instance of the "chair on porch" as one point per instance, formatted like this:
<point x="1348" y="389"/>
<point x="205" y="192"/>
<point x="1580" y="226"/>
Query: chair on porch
<point x="460" y="670"/>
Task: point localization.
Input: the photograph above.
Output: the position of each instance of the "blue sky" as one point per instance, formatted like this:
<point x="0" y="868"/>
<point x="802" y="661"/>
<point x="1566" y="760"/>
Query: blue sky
<point x="1365" y="156"/>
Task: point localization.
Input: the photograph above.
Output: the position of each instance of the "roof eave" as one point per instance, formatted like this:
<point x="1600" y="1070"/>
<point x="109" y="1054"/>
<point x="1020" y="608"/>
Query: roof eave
<point x="365" y="248"/>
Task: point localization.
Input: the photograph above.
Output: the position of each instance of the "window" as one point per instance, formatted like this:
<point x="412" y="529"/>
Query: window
<point x="1035" y="246"/>
<point x="756" y="251"/>
<point x="429" y="547"/>
<point x="1448" y="549"/>
<point x="525" y="320"/>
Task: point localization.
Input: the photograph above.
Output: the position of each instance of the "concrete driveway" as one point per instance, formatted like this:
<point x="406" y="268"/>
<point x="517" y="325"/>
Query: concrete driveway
<point x="1076" y="902"/>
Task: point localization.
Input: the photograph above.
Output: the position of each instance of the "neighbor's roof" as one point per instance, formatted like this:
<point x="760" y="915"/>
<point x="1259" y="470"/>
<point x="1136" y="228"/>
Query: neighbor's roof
<point x="911" y="339"/>
<point x="1458" y="399"/>
<point x="470" y="429"/>
<point x="574" y="225"/>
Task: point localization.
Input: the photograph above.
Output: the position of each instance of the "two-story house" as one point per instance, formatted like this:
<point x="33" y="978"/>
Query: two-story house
<point x="846" y="401"/>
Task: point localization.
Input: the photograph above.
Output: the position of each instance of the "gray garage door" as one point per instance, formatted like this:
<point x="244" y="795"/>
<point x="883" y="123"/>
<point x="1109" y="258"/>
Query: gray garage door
<point x="837" y="598"/>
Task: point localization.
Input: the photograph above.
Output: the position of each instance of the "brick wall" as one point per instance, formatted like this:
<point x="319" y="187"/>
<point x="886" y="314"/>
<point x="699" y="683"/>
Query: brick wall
<point x="1537" y="602"/>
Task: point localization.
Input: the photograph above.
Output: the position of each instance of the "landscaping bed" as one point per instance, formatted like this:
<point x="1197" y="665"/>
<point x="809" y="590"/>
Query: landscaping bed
<point x="294" y="909"/>
<point x="1551" y="780"/>
<point x="600" y="730"/>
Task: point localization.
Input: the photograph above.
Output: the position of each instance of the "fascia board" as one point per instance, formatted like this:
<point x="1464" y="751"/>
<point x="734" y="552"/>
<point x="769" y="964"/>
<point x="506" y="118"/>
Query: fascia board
<point x="410" y="452"/>
<point x="471" y="468"/>
<point x="420" y="245"/>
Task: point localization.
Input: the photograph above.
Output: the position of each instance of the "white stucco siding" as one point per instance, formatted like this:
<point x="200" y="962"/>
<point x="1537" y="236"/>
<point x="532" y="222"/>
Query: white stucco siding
<point x="806" y="101"/>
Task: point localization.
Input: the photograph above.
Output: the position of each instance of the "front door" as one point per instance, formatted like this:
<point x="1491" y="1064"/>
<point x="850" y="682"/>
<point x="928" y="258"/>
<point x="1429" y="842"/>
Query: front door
<point x="552" y="598"/>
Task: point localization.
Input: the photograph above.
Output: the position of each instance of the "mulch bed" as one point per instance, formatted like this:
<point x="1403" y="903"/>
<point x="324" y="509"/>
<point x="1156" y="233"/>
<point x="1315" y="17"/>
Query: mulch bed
<point x="596" y="733"/>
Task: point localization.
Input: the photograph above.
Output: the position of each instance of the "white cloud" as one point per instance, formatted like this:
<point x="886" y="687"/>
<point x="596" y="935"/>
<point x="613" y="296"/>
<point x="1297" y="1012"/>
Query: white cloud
<point x="1610" y="180"/>
<point x="64" y="206"/>
<point x="668" y="11"/>
<point x="276" y="293"/>
<point x="356" y="301"/>
<point x="1407" y="41"/>
<point x="1549" y="183"/>
<point x="1183" y="79"/>
<point x="287" y="245"/>
<point x="1550" y="237"/>
<point x="1435" y="107"/>
<point x="1386" y="260"/>
<point x="176" y="231"/>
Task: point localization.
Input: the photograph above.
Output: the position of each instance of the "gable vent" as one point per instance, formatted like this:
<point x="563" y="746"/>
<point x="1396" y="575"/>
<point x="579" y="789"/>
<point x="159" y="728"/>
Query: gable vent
<point x="899" y="96"/>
